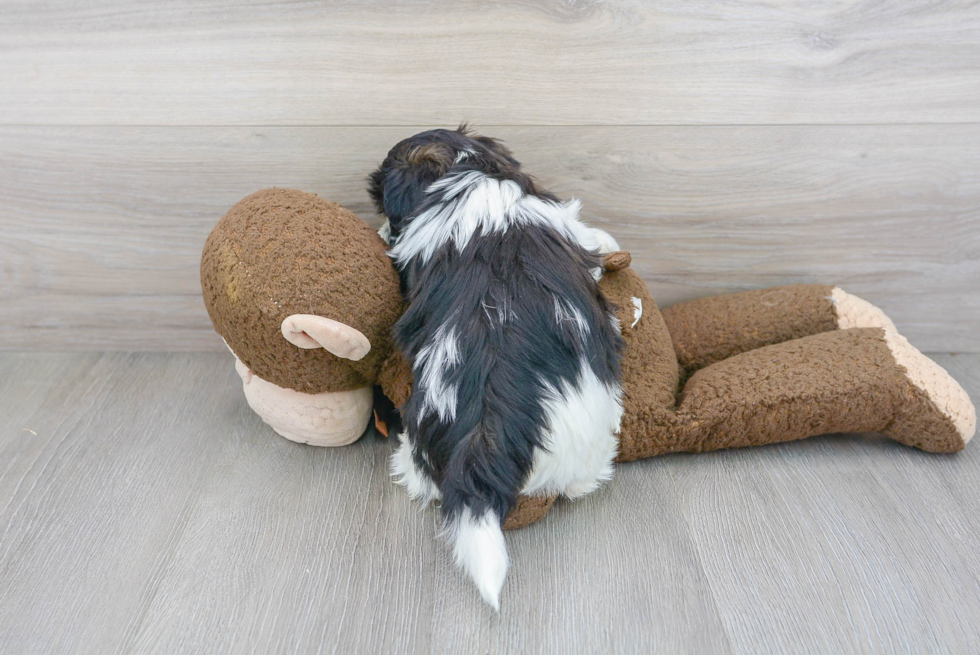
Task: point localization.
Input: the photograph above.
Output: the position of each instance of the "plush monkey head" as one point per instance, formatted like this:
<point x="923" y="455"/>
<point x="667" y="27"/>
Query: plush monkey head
<point x="302" y="292"/>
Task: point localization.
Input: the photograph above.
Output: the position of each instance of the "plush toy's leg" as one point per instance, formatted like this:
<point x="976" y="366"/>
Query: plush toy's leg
<point x="851" y="380"/>
<point x="711" y="329"/>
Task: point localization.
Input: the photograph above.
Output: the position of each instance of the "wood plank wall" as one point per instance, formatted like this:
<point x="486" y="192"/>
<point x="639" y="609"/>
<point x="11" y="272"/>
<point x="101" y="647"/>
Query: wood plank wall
<point x="727" y="145"/>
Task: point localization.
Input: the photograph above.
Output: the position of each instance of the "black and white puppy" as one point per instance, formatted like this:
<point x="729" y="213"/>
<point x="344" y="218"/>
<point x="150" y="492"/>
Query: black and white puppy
<point x="514" y="350"/>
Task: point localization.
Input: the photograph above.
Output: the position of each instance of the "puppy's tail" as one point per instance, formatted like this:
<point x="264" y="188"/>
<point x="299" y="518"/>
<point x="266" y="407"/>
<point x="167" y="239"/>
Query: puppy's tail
<point x="478" y="488"/>
<point x="478" y="544"/>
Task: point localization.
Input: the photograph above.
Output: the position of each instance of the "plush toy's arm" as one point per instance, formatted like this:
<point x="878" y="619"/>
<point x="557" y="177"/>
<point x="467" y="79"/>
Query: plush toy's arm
<point x="711" y="329"/>
<point x="395" y="378"/>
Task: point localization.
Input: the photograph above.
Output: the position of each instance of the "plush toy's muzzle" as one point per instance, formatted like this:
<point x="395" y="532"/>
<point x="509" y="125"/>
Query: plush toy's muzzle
<point x="330" y="418"/>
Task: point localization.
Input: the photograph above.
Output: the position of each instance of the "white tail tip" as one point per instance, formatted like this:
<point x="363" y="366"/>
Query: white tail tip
<point x="480" y="549"/>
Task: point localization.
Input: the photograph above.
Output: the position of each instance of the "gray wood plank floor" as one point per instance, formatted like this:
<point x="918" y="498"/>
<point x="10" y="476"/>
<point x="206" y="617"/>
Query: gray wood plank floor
<point x="144" y="508"/>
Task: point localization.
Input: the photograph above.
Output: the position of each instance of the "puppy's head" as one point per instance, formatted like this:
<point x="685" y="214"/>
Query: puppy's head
<point x="398" y="186"/>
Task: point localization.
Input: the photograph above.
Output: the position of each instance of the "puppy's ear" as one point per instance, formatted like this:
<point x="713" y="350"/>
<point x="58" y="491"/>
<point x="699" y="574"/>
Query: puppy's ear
<point x="398" y="187"/>
<point x="497" y="147"/>
<point x="434" y="155"/>
<point x="376" y="189"/>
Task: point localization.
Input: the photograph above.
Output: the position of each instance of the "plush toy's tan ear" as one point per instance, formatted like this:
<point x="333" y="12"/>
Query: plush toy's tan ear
<point x="311" y="331"/>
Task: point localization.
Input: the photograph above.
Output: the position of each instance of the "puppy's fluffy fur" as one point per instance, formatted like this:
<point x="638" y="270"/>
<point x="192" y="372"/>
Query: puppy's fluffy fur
<point x="514" y="350"/>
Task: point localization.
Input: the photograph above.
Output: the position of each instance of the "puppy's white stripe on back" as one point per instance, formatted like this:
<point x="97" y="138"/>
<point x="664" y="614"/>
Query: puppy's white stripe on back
<point x="477" y="202"/>
<point x="431" y="365"/>
<point x="473" y="201"/>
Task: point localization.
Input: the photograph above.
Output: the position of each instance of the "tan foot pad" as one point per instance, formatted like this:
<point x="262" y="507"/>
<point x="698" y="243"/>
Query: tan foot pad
<point x="854" y="312"/>
<point x="935" y="413"/>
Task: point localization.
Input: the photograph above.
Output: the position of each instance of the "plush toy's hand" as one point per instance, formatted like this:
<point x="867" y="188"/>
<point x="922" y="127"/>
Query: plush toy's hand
<point x="528" y="510"/>
<point x="616" y="261"/>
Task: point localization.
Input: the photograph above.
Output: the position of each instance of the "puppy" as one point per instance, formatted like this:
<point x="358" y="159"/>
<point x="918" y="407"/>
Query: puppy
<point x="514" y="350"/>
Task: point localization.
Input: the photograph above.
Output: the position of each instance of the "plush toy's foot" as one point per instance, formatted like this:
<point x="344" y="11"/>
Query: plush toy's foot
<point x="854" y="312"/>
<point x="933" y="411"/>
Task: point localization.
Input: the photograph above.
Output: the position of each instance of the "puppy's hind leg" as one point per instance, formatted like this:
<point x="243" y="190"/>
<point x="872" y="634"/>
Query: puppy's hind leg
<point x="581" y="442"/>
<point x="405" y="472"/>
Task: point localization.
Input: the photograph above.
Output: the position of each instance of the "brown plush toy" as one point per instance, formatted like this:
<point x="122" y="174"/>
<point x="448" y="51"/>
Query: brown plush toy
<point x="728" y="371"/>
<point x="304" y="295"/>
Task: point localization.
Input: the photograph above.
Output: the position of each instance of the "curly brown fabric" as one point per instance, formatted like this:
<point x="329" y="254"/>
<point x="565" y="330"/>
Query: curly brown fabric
<point x="711" y="329"/>
<point x="280" y="252"/>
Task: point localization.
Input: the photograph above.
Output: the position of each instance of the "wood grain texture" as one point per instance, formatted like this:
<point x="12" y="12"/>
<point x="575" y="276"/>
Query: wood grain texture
<point x="321" y="552"/>
<point x="103" y="459"/>
<point x="103" y="226"/>
<point x="152" y="512"/>
<point x="838" y="544"/>
<point x="522" y="62"/>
